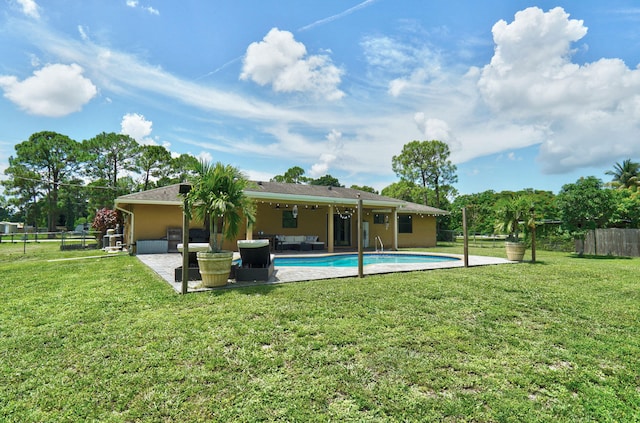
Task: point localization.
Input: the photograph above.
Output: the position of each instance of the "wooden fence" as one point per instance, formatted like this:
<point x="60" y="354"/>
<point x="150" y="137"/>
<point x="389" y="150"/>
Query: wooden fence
<point x="614" y="242"/>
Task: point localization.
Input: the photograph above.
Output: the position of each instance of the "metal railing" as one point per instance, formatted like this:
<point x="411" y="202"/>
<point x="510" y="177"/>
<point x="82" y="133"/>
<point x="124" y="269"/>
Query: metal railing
<point x="377" y="239"/>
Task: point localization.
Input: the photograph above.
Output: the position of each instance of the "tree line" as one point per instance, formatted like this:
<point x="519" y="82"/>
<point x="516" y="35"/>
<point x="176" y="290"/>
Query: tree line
<point x="55" y="181"/>
<point x="581" y="206"/>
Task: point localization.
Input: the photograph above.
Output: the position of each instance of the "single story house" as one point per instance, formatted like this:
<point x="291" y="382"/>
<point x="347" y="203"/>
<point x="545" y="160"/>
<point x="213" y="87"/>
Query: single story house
<point x="10" y="227"/>
<point x="289" y="215"/>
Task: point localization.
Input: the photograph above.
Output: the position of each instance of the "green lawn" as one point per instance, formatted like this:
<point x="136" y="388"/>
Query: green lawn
<point x="105" y="339"/>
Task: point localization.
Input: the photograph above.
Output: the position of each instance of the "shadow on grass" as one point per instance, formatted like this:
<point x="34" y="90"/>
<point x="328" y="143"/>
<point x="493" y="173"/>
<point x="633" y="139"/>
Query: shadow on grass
<point x="593" y="257"/>
<point x="537" y="262"/>
<point x="252" y="289"/>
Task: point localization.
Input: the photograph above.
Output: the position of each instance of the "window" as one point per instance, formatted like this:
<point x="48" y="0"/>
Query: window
<point x="288" y="221"/>
<point x="378" y="219"/>
<point x="405" y="224"/>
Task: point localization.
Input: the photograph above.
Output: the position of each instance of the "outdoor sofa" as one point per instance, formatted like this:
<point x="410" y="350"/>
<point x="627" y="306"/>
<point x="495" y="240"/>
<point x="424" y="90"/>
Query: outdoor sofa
<point x="298" y="242"/>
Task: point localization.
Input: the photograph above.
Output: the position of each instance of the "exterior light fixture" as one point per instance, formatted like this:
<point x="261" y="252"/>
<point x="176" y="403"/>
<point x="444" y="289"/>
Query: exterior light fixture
<point x="184" y="188"/>
<point x="294" y="212"/>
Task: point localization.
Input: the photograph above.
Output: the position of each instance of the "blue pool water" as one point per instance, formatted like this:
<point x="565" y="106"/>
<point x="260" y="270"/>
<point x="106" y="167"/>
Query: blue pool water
<point x="351" y="260"/>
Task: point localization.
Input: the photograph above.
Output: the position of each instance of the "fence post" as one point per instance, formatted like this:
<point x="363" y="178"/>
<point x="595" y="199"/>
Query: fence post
<point x="533" y="235"/>
<point x="466" y="237"/>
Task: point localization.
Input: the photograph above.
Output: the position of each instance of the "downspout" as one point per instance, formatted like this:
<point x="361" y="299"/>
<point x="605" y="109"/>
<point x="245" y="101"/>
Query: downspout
<point x="131" y="232"/>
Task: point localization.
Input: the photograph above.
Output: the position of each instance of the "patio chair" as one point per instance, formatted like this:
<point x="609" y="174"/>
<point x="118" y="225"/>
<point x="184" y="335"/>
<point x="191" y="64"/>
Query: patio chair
<point x="256" y="260"/>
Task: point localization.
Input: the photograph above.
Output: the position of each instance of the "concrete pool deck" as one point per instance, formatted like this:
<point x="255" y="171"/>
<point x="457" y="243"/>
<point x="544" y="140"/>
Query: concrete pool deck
<point x="165" y="264"/>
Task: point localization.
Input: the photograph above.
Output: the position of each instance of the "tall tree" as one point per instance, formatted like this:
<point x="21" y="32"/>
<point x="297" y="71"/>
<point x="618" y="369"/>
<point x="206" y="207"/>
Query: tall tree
<point x="480" y="212"/>
<point x="153" y="161"/>
<point x="6" y="211"/>
<point x="625" y="174"/>
<point x="427" y="163"/>
<point x="406" y="190"/>
<point x="183" y="167"/>
<point x="53" y="157"/>
<point x="73" y="203"/>
<point x="326" y="181"/>
<point x="293" y="175"/>
<point x="365" y="188"/>
<point x="627" y="212"/>
<point x="585" y="204"/>
<point x="25" y="190"/>
<point x="110" y="154"/>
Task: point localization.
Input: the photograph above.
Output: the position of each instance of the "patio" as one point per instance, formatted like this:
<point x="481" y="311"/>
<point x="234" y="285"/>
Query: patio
<point x="165" y="264"/>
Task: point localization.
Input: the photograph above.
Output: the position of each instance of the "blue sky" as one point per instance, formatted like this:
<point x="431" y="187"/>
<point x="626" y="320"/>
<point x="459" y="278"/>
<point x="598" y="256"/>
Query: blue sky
<point x="527" y="95"/>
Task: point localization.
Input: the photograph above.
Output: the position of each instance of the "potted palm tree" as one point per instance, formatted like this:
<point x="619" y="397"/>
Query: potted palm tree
<point x="217" y="195"/>
<point x="510" y="215"/>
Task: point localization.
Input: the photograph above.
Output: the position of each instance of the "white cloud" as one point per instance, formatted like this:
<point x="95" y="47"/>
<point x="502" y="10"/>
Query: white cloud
<point x="589" y="110"/>
<point x="322" y="167"/>
<point x="334" y="146"/>
<point x="137" y="127"/>
<point x="54" y="91"/>
<point x="35" y="60"/>
<point x="397" y="86"/>
<point x="205" y="155"/>
<point x="30" y="8"/>
<point x="388" y="54"/>
<point x="83" y="33"/>
<point x="283" y="62"/>
<point x="407" y="67"/>
<point x="135" y="4"/>
<point x="436" y="129"/>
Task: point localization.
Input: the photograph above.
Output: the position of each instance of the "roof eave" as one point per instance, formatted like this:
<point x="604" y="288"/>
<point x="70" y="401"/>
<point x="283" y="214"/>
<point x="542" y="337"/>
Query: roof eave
<point x="149" y="202"/>
<point x="318" y="199"/>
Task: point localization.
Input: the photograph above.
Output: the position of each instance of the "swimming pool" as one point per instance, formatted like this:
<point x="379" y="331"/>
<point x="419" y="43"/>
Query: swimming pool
<point x="351" y="260"/>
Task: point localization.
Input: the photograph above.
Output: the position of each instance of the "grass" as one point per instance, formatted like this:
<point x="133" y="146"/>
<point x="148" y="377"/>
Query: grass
<point x="106" y="339"/>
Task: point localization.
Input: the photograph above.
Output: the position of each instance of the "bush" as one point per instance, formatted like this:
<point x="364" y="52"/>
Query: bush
<point x="105" y="219"/>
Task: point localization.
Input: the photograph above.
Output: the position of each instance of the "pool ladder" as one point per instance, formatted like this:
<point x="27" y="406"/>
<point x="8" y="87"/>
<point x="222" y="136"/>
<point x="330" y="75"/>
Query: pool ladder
<point x="377" y="239"/>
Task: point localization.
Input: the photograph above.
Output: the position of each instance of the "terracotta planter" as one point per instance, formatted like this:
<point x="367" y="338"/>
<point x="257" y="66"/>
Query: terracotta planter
<point x="515" y="250"/>
<point x="214" y="268"/>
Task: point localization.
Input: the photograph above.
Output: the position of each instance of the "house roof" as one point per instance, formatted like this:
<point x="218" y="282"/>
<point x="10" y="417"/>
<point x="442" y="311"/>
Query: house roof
<point x="275" y="191"/>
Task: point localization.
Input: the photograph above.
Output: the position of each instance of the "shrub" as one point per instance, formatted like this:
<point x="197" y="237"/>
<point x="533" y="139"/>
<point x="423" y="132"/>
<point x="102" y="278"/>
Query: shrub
<point x="105" y="219"/>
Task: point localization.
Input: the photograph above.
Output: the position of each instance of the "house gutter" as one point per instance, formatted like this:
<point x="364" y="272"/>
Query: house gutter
<point x="131" y="231"/>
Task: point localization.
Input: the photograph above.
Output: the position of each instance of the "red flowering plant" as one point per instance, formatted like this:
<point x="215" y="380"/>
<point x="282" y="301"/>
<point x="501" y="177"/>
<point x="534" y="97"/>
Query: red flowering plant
<point x="105" y="219"/>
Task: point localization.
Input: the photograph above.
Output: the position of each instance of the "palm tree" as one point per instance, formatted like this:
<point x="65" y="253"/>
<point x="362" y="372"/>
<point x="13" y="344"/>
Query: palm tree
<point x="512" y="214"/>
<point x="625" y="175"/>
<point x="218" y="193"/>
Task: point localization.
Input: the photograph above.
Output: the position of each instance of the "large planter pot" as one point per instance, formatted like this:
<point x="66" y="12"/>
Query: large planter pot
<point x="515" y="250"/>
<point x="214" y="268"/>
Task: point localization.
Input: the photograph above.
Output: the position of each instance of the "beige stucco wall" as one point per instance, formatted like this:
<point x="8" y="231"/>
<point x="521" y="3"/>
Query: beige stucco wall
<point x="423" y="235"/>
<point x="385" y="232"/>
<point x="152" y="221"/>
